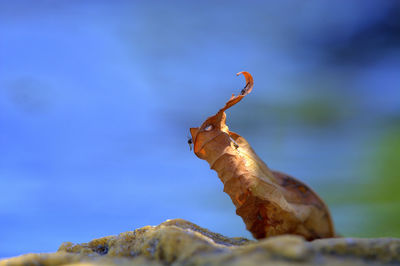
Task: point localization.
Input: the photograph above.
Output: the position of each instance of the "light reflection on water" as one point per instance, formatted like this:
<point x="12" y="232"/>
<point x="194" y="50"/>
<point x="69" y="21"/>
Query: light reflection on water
<point x="96" y="101"/>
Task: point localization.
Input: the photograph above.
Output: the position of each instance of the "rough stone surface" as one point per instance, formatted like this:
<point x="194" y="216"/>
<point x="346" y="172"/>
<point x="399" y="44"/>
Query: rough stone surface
<point x="179" y="242"/>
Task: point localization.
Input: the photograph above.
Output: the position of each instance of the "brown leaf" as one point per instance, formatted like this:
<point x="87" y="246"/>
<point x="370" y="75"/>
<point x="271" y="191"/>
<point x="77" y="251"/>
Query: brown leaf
<point x="269" y="202"/>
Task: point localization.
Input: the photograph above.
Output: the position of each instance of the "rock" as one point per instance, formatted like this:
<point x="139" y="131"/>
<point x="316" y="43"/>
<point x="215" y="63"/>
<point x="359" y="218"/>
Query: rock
<point x="180" y="242"/>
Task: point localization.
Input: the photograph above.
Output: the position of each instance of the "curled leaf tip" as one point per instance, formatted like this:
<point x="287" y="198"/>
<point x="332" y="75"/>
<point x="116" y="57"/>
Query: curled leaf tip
<point x="249" y="82"/>
<point x="246" y="90"/>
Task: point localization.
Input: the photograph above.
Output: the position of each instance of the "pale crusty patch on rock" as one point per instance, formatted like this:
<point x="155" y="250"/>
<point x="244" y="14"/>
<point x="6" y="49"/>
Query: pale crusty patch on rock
<point x="180" y="242"/>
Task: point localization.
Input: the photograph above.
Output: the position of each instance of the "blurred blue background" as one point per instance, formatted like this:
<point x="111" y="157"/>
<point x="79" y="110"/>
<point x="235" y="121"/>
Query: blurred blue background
<point x="96" y="99"/>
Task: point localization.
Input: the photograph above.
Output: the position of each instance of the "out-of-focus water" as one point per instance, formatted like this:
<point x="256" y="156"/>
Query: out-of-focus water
<point x="96" y="99"/>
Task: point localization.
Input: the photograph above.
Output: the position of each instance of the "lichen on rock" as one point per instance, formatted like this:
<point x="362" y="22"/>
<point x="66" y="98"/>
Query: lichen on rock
<point x="180" y="242"/>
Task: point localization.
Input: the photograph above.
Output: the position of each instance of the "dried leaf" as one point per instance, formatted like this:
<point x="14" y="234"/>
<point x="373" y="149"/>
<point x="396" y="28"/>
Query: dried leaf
<point x="269" y="202"/>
